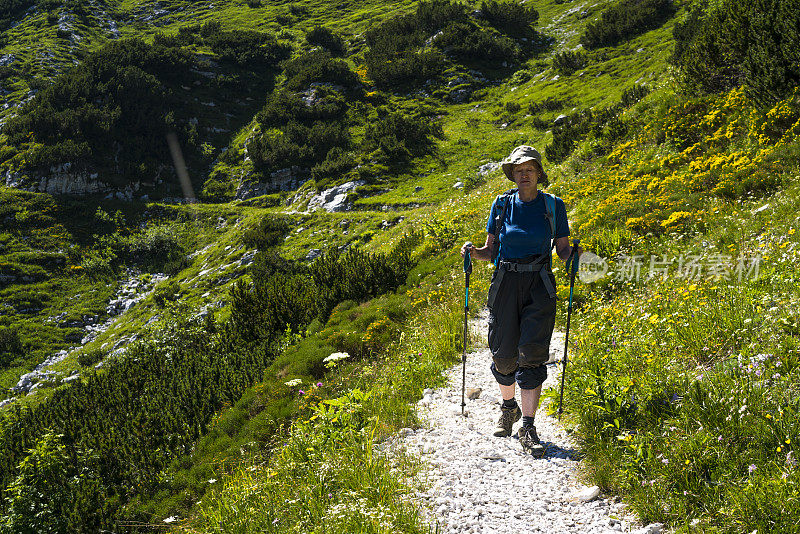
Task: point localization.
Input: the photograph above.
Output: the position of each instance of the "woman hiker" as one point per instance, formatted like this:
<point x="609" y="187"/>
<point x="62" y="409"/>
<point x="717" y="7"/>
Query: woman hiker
<point x="523" y="226"/>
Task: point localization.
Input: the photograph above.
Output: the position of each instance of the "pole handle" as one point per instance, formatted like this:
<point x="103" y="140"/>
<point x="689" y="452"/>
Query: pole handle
<point x="572" y="261"/>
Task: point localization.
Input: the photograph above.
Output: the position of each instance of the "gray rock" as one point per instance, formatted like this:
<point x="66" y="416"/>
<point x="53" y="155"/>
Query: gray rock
<point x="486" y="168"/>
<point x="335" y="198"/>
<point x="247" y="258"/>
<point x="314" y="253"/>
<point x="587" y="494"/>
<point x="652" y="528"/>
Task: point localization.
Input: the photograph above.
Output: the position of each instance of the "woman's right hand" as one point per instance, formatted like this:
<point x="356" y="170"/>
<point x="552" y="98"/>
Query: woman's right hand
<point x="467" y="246"/>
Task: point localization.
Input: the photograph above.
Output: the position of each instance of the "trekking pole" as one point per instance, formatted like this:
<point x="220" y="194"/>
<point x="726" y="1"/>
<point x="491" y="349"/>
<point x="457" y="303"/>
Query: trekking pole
<point x="572" y="263"/>
<point x="467" y="272"/>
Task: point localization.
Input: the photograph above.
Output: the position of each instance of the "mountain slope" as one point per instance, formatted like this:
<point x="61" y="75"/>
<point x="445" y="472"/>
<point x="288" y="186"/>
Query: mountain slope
<point x="644" y="169"/>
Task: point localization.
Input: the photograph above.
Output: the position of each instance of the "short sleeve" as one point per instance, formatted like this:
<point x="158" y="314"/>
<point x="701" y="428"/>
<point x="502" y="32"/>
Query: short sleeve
<point x="562" y="225"/>
<point x="491" y="222"/>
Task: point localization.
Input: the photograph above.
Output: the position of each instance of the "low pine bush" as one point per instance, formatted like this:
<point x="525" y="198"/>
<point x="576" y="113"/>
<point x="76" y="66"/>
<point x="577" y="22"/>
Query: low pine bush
<point x="627" y="19"/>
<point x="565" y="63"/>
<point x="511" y="18"/>
<point x="326" y="38"/>
<point x="318" y="66"/>
<point x="411" y="49"/>
<point x="399" y="137"/>
<point x="11" y="346"/>
<point x="722" y="45"/>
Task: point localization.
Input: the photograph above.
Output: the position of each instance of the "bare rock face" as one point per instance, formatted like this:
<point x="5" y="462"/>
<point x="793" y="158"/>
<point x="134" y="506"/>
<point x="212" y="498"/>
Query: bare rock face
<point x="288" y="179"/>
<point x="64" y="180"/>
<point x="335" y="198"/>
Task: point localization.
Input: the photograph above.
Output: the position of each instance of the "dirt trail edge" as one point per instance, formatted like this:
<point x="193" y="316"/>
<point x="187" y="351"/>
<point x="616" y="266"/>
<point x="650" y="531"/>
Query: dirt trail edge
<point x="480" y="483"/>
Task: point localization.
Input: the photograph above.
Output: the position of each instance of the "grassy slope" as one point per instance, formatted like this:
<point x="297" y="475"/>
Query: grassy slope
<point x="473" y="136"/>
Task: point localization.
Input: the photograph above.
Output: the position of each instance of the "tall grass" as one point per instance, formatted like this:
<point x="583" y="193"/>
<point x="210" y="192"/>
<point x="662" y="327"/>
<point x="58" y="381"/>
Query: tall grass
<point x="335" y="473"/>
<point x="683" y="393"/>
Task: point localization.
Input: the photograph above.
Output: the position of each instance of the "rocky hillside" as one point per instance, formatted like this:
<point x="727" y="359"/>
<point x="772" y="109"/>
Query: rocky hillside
<point x="204" y="201"/>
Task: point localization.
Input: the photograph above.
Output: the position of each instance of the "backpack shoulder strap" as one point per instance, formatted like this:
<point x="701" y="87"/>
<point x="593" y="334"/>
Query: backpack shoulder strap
<point x="550" y="212"/>
<point x="500" y="220"/>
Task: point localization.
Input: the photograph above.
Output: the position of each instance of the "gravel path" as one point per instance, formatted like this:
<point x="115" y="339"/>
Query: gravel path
<point x="480" y="483"/>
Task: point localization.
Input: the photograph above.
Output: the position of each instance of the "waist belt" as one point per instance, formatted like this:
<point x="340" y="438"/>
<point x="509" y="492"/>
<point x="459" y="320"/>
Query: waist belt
<point x="543" y="267"/>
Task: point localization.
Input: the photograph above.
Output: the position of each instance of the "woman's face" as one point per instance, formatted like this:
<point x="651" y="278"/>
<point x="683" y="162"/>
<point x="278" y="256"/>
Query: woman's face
<point x="526" y="174"/>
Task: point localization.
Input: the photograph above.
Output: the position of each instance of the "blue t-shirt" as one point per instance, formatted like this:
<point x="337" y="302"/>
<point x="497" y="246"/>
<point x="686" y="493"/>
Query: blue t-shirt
<point x="526" y="230"/>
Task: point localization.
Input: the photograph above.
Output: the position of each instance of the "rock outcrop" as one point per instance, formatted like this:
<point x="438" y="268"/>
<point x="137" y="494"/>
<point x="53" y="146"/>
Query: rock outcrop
<point x="335" y="198"/>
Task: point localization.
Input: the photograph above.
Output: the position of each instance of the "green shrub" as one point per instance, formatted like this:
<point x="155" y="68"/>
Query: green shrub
<point x="466" y="42"/>
<point x="399" y="49"/>
<point x="565" y="63"/>
<point x="117" y="97"/>
<point x="100" y="263"/>
<point x="52" y="494"/>
<point x="89" y="357"/>
<point x="248" y="48"/>
<point x="133" y="420"/>
<point x="218" y="189"/>
<point x="336" y="165"/>
<point x="400" y="137"/>
<point x="318" y="66"/>
<point x="166" y="292"/>
<point x="270" y="231"/>
<point x="520" y="77"/>
<point x="566" y="136"/>
<point x="325" y="37"/>
<point x="158" y="248"/>
<point x="633" y="94"/>
<point x="298" y="145"/>
<point x="282" y="297"/>
<point x="11" y="346"/>
<point x="510" y="18"/>
<point x="406" y="67"/>
<point x="627" y="19"/>
<point x="720" y="45"/>
<point x="10" y="10"/>
<point x="283" y="106"/>
<point x="550" y="103"/>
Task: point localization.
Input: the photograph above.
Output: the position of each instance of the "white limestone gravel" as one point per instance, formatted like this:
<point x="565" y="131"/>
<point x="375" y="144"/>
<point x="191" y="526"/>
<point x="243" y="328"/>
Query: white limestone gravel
<point x="483" y="484"/>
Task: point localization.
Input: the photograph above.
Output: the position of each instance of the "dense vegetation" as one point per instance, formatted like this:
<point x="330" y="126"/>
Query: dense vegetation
<point x="602" y="127"/>
<point x="111" y="114"/>
<point x="252" y="49"/>
<point x="11" y="10"/>
<point x="414" y="48"/>
<point x="624" y="20"/>
<point x="308" y="123"/>
<point x="124" y="425"/>
<point x="721" y="45"/>
<point x="120" y="97"/>
<point x="326" y="38"/>
<point x="283" y="439"/>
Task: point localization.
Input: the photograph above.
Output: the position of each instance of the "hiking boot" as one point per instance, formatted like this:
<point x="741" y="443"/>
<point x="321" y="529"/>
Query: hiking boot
<point x="530" y="441"/>
<point x="508" y="417"/>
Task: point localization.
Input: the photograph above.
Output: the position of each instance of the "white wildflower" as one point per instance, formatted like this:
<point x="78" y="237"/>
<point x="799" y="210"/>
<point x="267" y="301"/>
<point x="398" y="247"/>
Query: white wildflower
<point x="294" y="382"/>
<point x="336" y="356"/>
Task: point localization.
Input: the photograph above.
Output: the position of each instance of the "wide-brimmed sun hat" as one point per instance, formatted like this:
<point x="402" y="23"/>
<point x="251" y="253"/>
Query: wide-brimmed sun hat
<point x="521" y="154"/>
